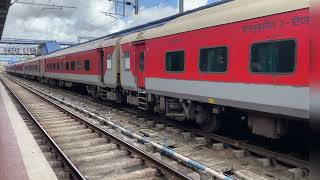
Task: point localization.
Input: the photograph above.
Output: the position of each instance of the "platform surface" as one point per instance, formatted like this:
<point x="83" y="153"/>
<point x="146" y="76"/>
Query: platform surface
<point x="20" y="155"/>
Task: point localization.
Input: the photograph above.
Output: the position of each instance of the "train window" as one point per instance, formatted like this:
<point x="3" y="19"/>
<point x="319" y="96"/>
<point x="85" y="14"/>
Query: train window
<point x="58" y="66"/>
<point x="109" y="61"/>
<point x="54" y="66"/>
<point x="141" y="62"/>
<point x="87" y="65"/>
<point x="79" y="65"/>
<point x="175" y="61"/>
<point x="67" y="65"/>
<point x="47" y="66"/>
<point x="127" y="60"/>
<point x="273" y="57"/>
<point x="213" y="59"/>
<point x="61" y="65"/>
<point x="73" y="65"/>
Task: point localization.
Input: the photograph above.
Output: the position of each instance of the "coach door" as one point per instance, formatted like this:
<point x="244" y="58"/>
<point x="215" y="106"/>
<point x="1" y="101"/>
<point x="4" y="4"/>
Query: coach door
<point x="140" y="60"/>
<point x="102" y="68"/>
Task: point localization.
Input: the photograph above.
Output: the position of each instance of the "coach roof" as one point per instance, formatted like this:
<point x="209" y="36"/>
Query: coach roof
<point x="78" y="48"/>
<point x="233" y="11"/>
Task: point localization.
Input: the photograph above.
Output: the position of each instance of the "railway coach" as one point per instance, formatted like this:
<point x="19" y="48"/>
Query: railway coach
<point x="10" y="68"/>
<point x="34" y="68"/>
<point x="243" y="60"/>
<point x="93" y="65"/>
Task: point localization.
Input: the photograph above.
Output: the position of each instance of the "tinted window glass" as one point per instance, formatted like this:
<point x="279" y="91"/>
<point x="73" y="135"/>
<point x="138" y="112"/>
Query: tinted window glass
<point x="273" y="57"/>
<point x="213" y="59"/>
<point x="54" y="66"/>
<point x="79" y="65"/>
<point x="175" y="61"/>
<point x="73" y="65"/>
<point x="87" y="65"/>
<point x="67" y="65"/>
<point x="141" y="63"/>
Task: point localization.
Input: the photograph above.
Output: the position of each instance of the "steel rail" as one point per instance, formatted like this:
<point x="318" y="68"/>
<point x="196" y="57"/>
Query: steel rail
<point x="201" y="168"/>
<point x="66" y="161"/>
<point x="143" y="155"/>
<point x="286" y="159"/>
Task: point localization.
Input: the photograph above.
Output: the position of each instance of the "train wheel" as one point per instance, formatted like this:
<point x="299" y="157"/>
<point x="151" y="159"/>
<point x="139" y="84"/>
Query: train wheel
<point x="207" y="121"/>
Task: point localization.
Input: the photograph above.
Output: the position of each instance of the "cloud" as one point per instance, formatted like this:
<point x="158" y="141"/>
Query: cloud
<point x="25" y="21"/>
<point x="192" y="4"/>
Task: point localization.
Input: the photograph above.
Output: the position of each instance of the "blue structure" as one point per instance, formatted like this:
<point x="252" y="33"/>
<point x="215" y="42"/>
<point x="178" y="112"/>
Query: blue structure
<point x="49" y="46"/>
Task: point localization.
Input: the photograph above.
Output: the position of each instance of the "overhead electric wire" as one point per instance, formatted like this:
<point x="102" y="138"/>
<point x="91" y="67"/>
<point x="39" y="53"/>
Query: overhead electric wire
<point x="41" y="4"/>
<point x="150" y="7"/>
<point x="26" y="28"/>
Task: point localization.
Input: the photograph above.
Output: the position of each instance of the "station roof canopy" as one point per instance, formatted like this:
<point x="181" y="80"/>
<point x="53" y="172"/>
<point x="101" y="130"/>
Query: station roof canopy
<point x="4" y="7"/>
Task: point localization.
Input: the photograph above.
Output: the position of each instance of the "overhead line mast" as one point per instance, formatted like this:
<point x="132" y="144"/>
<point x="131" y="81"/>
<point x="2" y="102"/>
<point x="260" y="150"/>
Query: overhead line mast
<point x="181" y="6"/>
<point x="125" y="3"/>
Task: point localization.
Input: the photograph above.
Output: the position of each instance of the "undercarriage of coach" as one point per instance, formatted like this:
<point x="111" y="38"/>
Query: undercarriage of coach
<point x="213" y="118"/>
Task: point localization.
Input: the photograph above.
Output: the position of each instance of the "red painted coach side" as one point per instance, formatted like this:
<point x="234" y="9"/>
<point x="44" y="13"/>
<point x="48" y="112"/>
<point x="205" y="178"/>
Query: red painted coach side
<point x="93" y="56"/>
<point x="238" y="37"/>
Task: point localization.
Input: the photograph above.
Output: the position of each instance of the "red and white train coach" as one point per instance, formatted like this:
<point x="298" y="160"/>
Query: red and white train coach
<point x="247" y="56"/>
<point x="78" y="64"/>
<point x="245" y="60"/>
<point x="34" y="68"/>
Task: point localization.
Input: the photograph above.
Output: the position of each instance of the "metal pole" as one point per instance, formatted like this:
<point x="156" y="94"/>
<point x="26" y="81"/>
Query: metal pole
<point x="180" y="6"/>
<point x="136" y="7"/>
<point x="124" y="8"/>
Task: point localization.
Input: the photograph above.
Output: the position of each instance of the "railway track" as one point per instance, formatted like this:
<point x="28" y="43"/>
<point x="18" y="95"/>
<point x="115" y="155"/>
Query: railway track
<point x="265" y="157"/>
<point x="88" y="151"/>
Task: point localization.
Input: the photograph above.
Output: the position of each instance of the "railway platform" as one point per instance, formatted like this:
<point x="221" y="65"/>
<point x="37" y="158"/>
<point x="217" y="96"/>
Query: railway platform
<point x="20" y="155"/>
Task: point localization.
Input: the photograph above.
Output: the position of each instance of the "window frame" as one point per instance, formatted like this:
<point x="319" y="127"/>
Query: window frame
<point x="209" y="47"/>
<point x="107" y="55"/>
<point x="141" y="68"/>
<point x="84" y="63"/>
<point x="79" y="65"/>
<point x="274" y="73"/>
<point x="74" y="65"/>
<point x="67" y="66"/>
<point x="184" y="61"/>
<point x="61" y="66"/>
<point x="124" y="59"/>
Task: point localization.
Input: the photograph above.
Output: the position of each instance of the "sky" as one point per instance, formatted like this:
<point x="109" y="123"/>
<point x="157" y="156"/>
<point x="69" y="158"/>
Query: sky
<point x="86" y="19"/>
